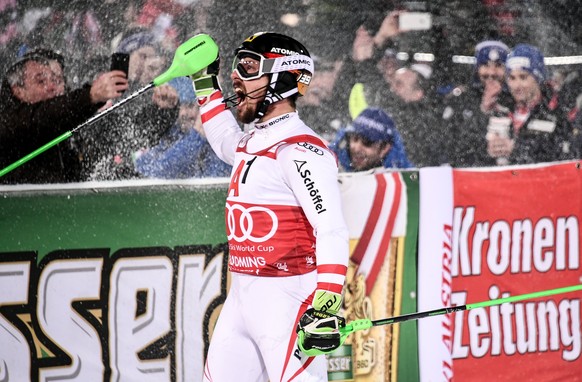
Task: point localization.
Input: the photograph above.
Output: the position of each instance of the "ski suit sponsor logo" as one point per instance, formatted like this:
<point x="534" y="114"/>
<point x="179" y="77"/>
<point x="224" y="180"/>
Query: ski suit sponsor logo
<point x="282" y="266"/>
<point x="310" y="147"/>
<point x="310" y="185"/>
<point x="280" y="119"/>
<point x="242" y="224"/>
<point x="251" y="262"/>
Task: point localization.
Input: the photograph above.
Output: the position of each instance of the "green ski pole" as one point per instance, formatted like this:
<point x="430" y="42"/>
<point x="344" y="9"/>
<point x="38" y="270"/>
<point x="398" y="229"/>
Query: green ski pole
<point x="190" y="57"/>
<point x="364" y="324"/>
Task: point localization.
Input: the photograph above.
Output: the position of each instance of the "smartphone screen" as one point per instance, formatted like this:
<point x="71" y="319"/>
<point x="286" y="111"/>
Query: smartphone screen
<point x="120" y="61"/>
<point x="414" y="21"/>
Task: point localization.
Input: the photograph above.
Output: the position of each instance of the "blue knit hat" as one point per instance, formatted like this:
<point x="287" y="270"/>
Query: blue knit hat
<point x="529" y="58"/>
<point x="373" y="124"/>
<point x="136" y="41"/>
<point x="490" y="50"/>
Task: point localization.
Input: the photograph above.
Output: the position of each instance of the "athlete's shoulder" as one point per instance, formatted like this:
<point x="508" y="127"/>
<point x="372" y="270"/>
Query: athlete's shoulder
<point x="305" y="145"/>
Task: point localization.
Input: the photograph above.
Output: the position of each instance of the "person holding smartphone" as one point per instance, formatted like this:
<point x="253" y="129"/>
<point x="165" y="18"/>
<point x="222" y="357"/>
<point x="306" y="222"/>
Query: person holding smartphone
<point x="115" y="139"/>
<point x="37" y="106"/>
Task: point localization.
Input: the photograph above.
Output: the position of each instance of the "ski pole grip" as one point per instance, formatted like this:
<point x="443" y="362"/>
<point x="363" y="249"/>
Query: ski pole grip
<point x="36" y="152"/>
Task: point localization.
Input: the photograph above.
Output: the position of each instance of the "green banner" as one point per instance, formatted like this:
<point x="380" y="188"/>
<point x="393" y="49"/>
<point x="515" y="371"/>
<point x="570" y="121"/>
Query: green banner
<point x="140" y="215"/>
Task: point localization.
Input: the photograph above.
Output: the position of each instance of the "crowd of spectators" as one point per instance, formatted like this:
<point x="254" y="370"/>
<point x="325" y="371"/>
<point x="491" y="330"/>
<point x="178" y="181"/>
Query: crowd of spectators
<point x="375" y="106"/>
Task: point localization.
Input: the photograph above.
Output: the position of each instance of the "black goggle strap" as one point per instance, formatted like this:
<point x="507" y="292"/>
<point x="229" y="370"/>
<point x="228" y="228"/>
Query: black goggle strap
<point x="233" y="100"/>
<point x="270" y="97"/>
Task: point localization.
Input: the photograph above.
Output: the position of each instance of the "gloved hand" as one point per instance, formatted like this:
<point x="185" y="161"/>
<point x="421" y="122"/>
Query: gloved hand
<point x="327" y="301"/>
<point x="319" y="332"/>
<point x="205" y="82"/>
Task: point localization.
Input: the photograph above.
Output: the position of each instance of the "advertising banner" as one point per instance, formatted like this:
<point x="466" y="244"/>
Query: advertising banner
<point x="120" y="282"/>
<point x="434" y="276"/>
<point x="124" y="281"/>
<point x="517" y="231"/>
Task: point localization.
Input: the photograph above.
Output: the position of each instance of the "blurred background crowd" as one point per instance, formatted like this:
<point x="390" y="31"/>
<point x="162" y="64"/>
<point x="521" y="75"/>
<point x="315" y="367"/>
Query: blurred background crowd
<point x="398" y="84"/>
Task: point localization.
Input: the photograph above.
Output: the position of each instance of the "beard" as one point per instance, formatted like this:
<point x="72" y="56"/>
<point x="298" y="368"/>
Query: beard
<point x="247" y="113"/>
<point x="249" y="102"/>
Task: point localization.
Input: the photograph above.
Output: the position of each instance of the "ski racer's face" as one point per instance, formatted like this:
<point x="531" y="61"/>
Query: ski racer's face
<point x="250" y="92"/>
<point x="366" y="154"/>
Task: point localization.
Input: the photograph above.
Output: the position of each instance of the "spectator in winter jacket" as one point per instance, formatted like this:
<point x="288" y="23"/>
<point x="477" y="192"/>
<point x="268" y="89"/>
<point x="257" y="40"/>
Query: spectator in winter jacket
<point x="539" y="131"/>
<point x="415" y="112"/>
<point x="183" y="152"/>
<point x="114" y="139"/>
<point x="469" y="108"/>
<point x="36" y="107"/>
<point x="371" y="141"/>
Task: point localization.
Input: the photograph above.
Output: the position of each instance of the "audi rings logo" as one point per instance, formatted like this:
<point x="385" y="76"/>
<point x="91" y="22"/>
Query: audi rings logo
<point x="310" y="147"/>
<point x="250" y="223"/>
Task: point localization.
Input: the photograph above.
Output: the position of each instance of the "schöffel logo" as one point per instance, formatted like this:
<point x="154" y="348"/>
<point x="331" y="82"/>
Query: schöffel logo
<point x="310" y="185"/>
<point x="310" y="147"/>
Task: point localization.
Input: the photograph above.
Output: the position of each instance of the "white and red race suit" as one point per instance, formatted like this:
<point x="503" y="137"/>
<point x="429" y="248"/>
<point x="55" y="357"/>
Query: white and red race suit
<point x="287" y="237"/>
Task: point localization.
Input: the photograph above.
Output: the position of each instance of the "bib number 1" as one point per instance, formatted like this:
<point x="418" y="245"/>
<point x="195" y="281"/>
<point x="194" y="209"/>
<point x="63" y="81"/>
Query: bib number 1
<point x="233" y="189"/>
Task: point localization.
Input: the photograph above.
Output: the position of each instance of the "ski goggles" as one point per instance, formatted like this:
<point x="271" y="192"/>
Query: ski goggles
<point x="249" y="65"/>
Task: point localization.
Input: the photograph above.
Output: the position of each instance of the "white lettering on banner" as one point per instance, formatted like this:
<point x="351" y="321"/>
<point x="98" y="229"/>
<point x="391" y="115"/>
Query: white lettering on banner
<point x="197" y="287"/>
<point x="516" y="247"/>
<point x="60" y="284"/>
<point x="80" y="313"/>
<point x="131" y="332"/>
<point x="518" y="328"/>
<point x="14" y="352"/>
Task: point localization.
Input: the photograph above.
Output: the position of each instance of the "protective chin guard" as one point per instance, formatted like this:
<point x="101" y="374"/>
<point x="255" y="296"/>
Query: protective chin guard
<point x="319" y="332"/>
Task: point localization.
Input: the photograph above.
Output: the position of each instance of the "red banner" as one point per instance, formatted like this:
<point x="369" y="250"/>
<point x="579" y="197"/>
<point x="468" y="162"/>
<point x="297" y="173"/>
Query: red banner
<point x="517" y="231"/>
